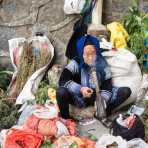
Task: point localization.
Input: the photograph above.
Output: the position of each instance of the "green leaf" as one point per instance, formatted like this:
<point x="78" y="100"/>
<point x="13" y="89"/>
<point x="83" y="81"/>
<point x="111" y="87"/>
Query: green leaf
<point x="74" y="145"/>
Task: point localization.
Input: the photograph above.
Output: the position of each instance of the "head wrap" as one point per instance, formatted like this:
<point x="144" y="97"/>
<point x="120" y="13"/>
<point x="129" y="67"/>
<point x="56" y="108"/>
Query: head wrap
<point x="102" y="68"/>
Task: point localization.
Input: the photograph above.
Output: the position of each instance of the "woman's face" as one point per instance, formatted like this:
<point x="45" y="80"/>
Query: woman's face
<point x="89" y="55"/>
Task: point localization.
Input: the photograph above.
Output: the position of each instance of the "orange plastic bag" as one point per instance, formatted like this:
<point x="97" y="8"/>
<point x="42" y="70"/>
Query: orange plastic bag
<point x="16" y="138"/>
<point x="67" y="141"/>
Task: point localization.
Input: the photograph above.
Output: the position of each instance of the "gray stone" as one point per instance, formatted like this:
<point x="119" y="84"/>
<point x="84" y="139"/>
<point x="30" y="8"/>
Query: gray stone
<point x="6" y="34"/>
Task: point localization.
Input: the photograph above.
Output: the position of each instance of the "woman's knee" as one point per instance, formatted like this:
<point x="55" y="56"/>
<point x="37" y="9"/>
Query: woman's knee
<point x="124" y="92"/>
<point x="62" y="93"/>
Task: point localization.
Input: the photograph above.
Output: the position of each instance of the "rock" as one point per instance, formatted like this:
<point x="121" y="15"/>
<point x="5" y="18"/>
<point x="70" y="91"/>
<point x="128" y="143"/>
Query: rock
<point x="17" y="19"/>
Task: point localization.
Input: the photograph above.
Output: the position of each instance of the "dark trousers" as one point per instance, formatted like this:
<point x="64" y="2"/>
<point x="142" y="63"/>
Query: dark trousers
<point x="64" y="98"/>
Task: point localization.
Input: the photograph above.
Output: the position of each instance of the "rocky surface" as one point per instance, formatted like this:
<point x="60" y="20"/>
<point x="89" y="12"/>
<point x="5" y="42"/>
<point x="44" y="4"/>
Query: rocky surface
<point x="17" y="19"/>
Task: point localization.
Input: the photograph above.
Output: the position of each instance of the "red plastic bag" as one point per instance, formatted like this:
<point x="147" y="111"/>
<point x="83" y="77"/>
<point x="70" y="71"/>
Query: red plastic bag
<point x="16" y="138"/>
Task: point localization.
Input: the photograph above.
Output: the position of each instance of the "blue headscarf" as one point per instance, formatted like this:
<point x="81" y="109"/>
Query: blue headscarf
<point x="102" y="68"/>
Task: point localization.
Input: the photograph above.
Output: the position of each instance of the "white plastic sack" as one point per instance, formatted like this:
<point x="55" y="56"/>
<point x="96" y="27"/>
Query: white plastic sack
<point x="125" y="71"/>
<point x="107" y="139"/>
<point x="73" y="6"/>
<point x="143" y="88"/>
<point x="137" y="143"/>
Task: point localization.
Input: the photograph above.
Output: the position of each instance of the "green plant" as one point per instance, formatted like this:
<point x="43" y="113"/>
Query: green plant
<point x="74" y="145"/>
<point x="42" y="93"/>
<point x="8" y="114"/>
<point x="5" y="78"/>
<point x="47" y="143"/>
<point x="135" y="22"/>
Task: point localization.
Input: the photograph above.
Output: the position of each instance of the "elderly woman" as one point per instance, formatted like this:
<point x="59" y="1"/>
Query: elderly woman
<point x="76" y="86"/>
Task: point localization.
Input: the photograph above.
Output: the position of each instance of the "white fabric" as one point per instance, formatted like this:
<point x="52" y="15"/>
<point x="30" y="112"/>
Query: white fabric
<point x="73" y="6"/>
<point x="125" y="71"/>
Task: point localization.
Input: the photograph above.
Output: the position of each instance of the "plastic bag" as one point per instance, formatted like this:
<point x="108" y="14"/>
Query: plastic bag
<point x="49" y="111"/>
<point x="119" y="35"/>
<point x="73" y="6"/>
<point x="107" y="140"/>
<point x="25" y="114"/>
<point x="15" y="49"/>
<point x="52" y="128"/>
<point x="143" y="88"/>
<point x="132" y="129"/>
<point x="137" y="143"/>
<point x="39" y="45"/>
<point x="68" y="141"/>
<point x="2" y="137"/>
<point x="125" y="71"/>
<point x="16" y="138"/>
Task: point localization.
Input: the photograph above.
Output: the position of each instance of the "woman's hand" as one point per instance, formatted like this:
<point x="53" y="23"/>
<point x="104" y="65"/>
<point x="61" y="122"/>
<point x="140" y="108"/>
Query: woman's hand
<point x="86" y="92"/>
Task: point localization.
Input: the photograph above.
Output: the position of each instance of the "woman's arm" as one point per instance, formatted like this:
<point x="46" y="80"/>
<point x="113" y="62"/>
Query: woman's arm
<point x="66" y="78"/>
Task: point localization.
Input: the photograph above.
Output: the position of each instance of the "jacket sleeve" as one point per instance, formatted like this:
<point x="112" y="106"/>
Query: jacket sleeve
<point x="66" y="78"/>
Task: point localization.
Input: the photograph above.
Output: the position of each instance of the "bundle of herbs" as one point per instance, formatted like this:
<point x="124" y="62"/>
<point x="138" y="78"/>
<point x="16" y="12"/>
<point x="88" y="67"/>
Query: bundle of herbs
<point x="32" y="58"/>
<point x="136" y="24"/>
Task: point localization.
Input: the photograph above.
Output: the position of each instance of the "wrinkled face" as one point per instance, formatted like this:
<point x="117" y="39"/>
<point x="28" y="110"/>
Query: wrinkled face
<point x="89" y="55"/>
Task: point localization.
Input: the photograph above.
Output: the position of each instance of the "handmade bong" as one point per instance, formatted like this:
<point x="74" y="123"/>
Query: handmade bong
<point x="100" y="102"/>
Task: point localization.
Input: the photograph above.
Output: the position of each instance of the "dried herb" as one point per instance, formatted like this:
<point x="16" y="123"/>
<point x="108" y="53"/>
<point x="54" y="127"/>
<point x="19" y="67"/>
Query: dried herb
<point x="32" y="59"/>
